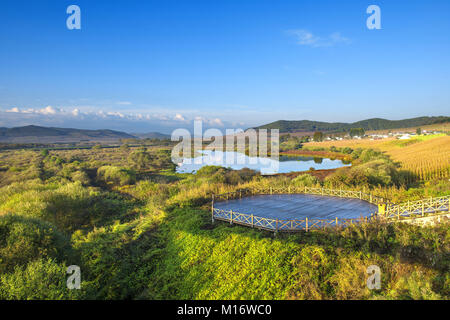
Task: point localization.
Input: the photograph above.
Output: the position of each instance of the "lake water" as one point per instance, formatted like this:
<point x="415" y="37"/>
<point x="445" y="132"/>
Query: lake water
<point x="266" y="166"/>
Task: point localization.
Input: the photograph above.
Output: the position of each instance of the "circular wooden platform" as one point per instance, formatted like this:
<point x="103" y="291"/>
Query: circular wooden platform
<point x="299" y="206"/>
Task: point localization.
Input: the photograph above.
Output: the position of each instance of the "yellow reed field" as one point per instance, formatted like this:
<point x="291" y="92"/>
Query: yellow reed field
<point x="426" y="156"/>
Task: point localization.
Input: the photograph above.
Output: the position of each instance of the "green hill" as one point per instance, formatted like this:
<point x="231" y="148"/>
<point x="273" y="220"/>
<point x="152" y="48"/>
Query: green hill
<point x="369" y="124"/>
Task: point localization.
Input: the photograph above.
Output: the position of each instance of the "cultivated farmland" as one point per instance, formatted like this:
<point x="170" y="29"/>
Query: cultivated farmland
<point x="426" y="156"/>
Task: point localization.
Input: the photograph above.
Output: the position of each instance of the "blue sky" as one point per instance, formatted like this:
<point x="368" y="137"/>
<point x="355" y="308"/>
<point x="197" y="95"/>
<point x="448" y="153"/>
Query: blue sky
<point x="157" y="65"/>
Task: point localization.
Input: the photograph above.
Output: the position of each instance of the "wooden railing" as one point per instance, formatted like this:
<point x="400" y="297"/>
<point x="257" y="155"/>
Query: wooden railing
<point x="288" y="225"/>
<point x="417" y="208"/>
<point x="296" y="190"/>
<point x="346" y="194"/>
<point x="386" y="209"/>
<point x="283" y="225"/>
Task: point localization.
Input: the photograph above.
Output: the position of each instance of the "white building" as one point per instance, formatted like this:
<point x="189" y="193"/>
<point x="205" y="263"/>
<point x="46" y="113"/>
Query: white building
<point x="405" y="137"/>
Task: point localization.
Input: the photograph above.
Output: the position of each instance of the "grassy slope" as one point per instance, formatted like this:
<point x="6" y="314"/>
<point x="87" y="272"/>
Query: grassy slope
<point x="143" y="252"/>
<point x="232" y="262"/>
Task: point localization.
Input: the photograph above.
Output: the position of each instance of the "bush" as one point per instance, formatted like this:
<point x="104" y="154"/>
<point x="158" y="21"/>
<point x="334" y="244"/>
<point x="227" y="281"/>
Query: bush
<point x="376" y="173"/>
<point x="41" y="279"/>
<point x="140" y="159"/>
<point x="44" y="152"/>
<point x="24" y="239"/>
<point x="347" y="150"/>
<point x="82" y="177"/>
<point x="217" y="174"/>
<point x="69" y="207"/>
<point x="124" y="148"/>
<point x="369" y="154"/>
<point x="208" y="171"/>
<point x="305" y="180"/>
<point x="116" y="176"/>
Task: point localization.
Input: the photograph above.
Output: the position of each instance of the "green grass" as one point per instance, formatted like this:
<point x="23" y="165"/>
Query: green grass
<point x="201" y="261"/>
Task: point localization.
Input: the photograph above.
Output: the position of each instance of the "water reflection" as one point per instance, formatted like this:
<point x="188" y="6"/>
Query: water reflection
<point x="266" y="166"/>
<point x="318" y="160"/>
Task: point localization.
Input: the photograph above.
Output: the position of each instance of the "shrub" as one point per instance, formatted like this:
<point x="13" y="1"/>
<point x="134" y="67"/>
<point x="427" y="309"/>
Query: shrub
<point x="69" y="207"/>
<point x="305" y="180"/>
<point x="41" y="279"/>
<point x="347" y="150"/>
<point x="376" y="173"/>
<point x="35" y="171"/>
<point x="44" y="152"/>
<point x="124" y="148"/>
<point x="247" y="174"/>
<point x="217" y="174"/>
<point x="370" y="154"/>
<point x="116" y="176"/>
<point x="140" y="159"/>
<point x="24" y="239"/>
<point x="208" y="171"/>
<point x="57" y="160"/>
<point x="82" y="177"/>
<point x="414" y="286"/>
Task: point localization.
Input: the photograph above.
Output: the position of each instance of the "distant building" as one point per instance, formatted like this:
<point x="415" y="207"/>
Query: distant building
<point x="378" y="136"/>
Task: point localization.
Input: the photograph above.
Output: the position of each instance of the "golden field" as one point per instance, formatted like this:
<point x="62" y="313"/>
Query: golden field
<point x="426" y="156"/>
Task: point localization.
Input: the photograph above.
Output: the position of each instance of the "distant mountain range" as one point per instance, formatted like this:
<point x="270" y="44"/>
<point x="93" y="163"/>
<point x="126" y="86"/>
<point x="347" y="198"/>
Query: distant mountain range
<point x="151" y="135"/>
<point x="370" y="124"/>
<point x="37" y="134"/>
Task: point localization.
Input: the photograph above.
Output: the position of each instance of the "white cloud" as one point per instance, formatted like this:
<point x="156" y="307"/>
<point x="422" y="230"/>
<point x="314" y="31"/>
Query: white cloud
<point x="116" y="114"/>
<point x="91" y="117"/>
<point x="101" y="114"/>
<point x="124" y="103"/>
<point x="307" y="38"/>
<point x="210" y="122"/>
<point x="179" y="117"/>
<point x="218" y="122"/>
<point x="47" y="110"/>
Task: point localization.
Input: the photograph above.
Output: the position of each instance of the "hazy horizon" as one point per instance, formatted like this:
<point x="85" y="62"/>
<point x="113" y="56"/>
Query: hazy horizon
<point x="188" y="126"/>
